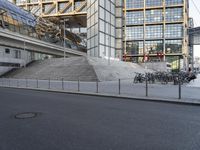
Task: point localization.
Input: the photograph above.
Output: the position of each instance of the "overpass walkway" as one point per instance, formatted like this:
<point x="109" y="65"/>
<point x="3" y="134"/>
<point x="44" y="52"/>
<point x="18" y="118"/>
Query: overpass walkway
<point x="16" y="40"/>
<point x="194" y="34"/>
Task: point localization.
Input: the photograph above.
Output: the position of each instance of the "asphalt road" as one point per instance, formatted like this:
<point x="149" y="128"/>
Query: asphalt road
<point x="77" y="122"/>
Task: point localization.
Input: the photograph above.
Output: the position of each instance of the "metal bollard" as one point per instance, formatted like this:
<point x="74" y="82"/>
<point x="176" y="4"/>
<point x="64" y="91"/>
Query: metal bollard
<point x="62" y="84"/>
<point x="146" y="87"/>
<point x="26" y="82"/>
<point x="37" y="83"/>
<point x="119" y="86"/>
<point x="17" y="83"/>
<point x="49" y="84"/>
<point x="179" y="88"/>
<point x="9" y="82"/>
<point x="97" y="86"/>
<point x="78" y="85"/>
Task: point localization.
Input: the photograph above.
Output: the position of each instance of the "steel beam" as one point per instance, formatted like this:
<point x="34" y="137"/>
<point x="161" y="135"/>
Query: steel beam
<point x="55" y="8"/>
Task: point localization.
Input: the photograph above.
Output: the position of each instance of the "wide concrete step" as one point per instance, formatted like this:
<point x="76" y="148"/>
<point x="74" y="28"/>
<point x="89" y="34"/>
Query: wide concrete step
<point x="71" y="69"/>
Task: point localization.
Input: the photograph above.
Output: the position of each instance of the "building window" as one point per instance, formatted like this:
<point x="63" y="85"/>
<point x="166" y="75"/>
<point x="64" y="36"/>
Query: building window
<point x="134" y="47"/>
<point x="153" y="3"/>
<point x="174" y="14"/>
<point x="173" y="46"/>
<point x="134" y="32"/>
<point x="153" y="16"/>
<point x="135" y="17"/>
<point x="153" y="47"/>
<point x="174" y="31"/>
<point x="135" y="3"/>
<point x="155" y="31"/>
<point x="173" y="2"/>
<point x="7" y="51"/>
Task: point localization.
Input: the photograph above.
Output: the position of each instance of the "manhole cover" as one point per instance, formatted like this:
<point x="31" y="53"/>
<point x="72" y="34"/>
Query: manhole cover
<point x="26" y="115"/>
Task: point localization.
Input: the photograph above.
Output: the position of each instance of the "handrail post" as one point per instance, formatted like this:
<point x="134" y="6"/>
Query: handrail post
<point x="9" y="82"/>
<point x="146" y="86"/>
<point x="26" y="82"/>
<point x="119" y="86"/>
<point x="179" y="88"/>
<point x="97" y="86"/>
<point x="62" y="84"/>
<point x="49" y="84"/>
<point x="78" y="84"/>
<point x="37" y="83"/>
<point x="17" y="82"/>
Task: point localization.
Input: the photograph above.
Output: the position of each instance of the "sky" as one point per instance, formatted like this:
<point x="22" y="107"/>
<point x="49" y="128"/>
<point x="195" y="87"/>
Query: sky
<point x="196" y="16"/>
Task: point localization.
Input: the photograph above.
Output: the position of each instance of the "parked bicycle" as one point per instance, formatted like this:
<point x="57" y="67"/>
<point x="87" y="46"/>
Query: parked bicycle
<point x="164" y="77"/>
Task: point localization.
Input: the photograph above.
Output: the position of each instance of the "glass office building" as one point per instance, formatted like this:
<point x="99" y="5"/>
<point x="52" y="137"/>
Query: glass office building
<point x="132" y="28"/>
<point x="138" y="28"/>
<point x="157" y="29"/>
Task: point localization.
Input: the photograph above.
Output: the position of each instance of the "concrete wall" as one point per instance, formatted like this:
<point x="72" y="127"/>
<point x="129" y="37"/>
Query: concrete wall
<point x="12" y="56"/>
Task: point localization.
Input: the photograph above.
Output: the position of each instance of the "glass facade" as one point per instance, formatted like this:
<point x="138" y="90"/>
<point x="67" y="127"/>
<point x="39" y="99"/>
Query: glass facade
<point x="134" y="48"/>
<point x="92" y="28"/>
<point x="174" y="2"/>
<point x="119" y="29"/>
<point x="134" y="18"/>
<point x="174" y="31"/>
<point x="154" y="16"/>
<point x="154" y="3"/>
<point x="136" y="32"/>
<point x="134" y="3"/>
<point x="155" y="26"/>
<point x="154" y="31"/>
<point x="101" y="28"/>
<point x="153" y="47"/>
<point x="173" y="46"/>
<point x="174" y="14"/>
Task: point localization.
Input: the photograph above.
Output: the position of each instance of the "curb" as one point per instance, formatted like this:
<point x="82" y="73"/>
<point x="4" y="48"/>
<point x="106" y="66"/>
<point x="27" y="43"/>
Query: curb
<point x="152" y="99"/>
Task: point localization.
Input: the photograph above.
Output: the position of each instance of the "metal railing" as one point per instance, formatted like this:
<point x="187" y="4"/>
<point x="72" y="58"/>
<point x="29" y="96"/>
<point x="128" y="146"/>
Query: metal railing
<point x="124" y="87"/>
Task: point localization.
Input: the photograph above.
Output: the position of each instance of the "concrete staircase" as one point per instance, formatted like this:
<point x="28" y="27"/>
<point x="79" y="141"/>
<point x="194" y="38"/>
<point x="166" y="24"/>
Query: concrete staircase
<point x="70" y="69"/>
<point x="78" y="68"/>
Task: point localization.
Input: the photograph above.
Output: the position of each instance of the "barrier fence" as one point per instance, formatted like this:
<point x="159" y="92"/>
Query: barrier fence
<point x="124" y="87"/>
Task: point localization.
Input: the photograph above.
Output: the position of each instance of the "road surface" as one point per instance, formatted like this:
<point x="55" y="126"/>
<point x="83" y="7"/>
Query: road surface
<point x="77" y="122"/>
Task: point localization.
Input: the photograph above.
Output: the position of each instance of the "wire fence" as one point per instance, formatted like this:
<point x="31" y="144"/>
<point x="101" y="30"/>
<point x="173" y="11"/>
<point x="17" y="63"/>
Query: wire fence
<point x="123" y="87"/>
